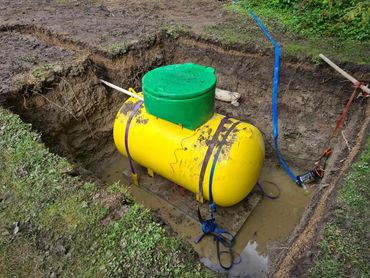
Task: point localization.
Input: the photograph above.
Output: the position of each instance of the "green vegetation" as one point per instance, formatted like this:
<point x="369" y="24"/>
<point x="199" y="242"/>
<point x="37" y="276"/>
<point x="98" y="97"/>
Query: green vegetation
<point x="339" y="29"/>
<point x="41" y="70"/>
<point x="333" y="18"/>
<point x="64" y="2"/>
<point x="344" y="248"/>
<point x="55" y="224"/>
<point x="173" y="30"/>
<point x="115" y="48"/>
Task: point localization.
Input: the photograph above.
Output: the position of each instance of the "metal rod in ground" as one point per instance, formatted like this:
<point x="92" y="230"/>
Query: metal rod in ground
<point x="121" y="90"/>
<point x="345" y="74"/>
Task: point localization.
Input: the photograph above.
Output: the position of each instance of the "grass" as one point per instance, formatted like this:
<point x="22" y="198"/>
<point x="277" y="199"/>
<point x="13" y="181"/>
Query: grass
<point x="240" y="29"/>
<point x="51" y="222"/>
<point x="41" y="70"/>
<point x="344" y="248"/>
<point x="115" y="48"/>
<point x="174" y="30"/>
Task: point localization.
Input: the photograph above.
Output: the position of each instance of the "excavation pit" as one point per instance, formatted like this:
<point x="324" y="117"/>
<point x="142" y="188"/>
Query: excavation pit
<point x="74" y="113"/>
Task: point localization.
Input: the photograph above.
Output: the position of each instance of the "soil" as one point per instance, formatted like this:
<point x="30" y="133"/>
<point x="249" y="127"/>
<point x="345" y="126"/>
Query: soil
<point x="111" y="21"/>
<point x="74" y="112"/>
<point x="19" y="53"/>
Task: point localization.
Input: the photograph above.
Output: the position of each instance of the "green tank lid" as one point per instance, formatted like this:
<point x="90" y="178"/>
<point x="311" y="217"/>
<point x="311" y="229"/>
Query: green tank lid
<point x="181" y="93"/>
<point x="180" y="81"/>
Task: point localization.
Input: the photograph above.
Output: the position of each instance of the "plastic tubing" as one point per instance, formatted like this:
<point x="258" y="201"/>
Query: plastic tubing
<point x="275" y="91"/>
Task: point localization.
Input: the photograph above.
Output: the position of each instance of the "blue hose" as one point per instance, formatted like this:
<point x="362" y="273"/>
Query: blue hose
<point x="275" y="117"/>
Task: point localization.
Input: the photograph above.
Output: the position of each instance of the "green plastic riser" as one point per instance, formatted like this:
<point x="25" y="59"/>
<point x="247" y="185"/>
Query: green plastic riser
<point x="182" y="94"/>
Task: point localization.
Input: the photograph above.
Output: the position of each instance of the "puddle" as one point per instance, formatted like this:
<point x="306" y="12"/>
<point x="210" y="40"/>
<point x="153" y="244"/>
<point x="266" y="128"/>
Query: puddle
<point x="250" y="263"/>
<point x="271" y="220"/>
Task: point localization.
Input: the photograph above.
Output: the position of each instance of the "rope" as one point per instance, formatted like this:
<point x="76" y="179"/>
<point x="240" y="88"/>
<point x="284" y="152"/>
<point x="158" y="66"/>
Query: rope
<point x="261" y="189"/>
<point x="357" y="86"/>
<point x="319" y="168"/>
<point x="210" y="227"/>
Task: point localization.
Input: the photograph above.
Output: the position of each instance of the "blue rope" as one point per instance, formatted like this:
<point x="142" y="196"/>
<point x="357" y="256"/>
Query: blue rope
<point x="275" y="117"/>
<point x="209" y="226"/>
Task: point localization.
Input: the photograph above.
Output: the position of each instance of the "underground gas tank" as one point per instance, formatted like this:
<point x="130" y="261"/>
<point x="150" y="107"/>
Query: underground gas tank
<point x="178" y="153"/>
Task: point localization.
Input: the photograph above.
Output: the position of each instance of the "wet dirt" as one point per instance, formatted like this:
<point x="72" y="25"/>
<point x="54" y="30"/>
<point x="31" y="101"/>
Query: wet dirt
<point x="112" y="21"/>
<point x="75" y="113"/>
<point x="311" y="94"/>
<point x="20" y="53"/>
<point x="270" y="220"/>
<point x="176" y="197"/>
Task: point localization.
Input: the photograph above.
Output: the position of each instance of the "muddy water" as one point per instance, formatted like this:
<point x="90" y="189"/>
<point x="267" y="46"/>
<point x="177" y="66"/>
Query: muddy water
<point x="270" y="221"/>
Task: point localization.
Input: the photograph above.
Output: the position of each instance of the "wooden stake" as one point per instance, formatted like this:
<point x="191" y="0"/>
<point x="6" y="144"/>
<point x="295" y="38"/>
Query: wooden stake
<point x="121" y="90"/>
<point x="345" y="74"/>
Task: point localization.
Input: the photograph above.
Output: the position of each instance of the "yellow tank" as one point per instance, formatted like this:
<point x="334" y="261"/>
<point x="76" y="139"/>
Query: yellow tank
<point x="177" y="153"/>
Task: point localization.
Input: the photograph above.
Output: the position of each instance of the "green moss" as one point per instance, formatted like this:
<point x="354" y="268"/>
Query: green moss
<point x="174" y="30"/>
<point x="52" y="222"/>
<point x="65" y="2"/>
<point x="115" y="48"/>
<point x="343" y="250"/>
<point x="41" y="70"/>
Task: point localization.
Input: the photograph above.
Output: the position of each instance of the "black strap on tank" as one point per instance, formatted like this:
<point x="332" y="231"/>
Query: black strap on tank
<point x="211" y="146"/>
<point x="128" y="124"/>
<point x="214" y="163"/>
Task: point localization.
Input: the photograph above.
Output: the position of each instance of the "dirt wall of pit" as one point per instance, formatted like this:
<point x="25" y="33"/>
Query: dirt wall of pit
<point x="74" y="112"/>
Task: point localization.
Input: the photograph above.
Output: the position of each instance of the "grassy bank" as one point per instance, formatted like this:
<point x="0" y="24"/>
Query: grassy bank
<point x="297" y="38"/>
<point x="52" y="223"/>
<point x="344" y="250"/>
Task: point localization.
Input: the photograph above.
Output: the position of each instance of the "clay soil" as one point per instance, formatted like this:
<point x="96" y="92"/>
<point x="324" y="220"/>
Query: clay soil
<point x="53" y="53"/>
